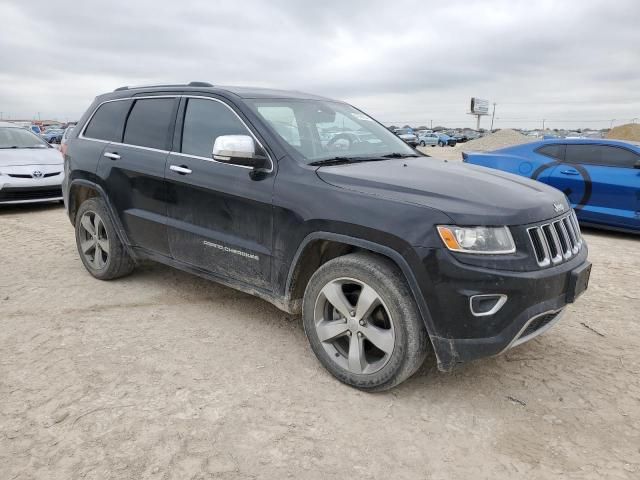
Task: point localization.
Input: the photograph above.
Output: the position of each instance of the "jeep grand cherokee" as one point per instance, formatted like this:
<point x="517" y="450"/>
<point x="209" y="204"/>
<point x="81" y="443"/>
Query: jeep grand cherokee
<point x="314" y="206"/>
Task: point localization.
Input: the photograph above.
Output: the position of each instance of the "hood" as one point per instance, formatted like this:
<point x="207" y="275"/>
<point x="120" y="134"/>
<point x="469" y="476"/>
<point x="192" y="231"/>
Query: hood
<point x="10" y="157"/>
<point x="468" y="194"/>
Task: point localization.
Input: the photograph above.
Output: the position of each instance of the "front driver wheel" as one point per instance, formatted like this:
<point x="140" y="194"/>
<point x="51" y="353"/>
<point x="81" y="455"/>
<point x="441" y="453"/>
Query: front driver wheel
<point x="100" y="249"/>
<point x="362" y="322"/>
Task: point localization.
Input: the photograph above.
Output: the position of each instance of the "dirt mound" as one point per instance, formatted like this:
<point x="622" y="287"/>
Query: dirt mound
<point x="630" y="131"/>
<point x="493" y="141"/>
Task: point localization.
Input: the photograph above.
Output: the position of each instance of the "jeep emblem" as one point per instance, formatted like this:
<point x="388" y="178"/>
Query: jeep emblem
<point x="558" y="207"/>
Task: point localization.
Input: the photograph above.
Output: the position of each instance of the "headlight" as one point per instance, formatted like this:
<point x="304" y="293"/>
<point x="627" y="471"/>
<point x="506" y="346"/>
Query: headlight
<point x="490" y="240"/>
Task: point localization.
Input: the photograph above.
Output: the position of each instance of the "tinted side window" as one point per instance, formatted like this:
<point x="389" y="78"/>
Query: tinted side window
<point x="601" y="155"/>
<point x="554" y="151"/>
<point x="149" y="122"/>
<point x="107" y="122"/>
<point x="204" y="121"/>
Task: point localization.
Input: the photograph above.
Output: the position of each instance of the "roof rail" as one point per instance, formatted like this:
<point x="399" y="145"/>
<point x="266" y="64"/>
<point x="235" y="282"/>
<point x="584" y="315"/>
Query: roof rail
<point x="190" y="84"/>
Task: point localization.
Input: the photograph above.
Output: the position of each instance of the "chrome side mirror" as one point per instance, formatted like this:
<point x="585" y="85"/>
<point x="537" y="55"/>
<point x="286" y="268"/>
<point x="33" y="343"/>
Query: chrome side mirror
<point x="238" y="150"/>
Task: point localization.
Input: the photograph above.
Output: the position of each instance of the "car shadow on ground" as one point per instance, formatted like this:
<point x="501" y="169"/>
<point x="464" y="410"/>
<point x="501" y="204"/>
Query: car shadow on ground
<point x="25" y="208"/>
<point x="613" y="234"/>
<point x="194" y="288"/>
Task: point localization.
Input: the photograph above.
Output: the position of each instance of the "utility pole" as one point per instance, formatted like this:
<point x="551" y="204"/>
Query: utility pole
<point x="493" y="115"/>
<point x="543" y="120"/>
<point x="611" y="124"/>
<point x="431" y="124"/>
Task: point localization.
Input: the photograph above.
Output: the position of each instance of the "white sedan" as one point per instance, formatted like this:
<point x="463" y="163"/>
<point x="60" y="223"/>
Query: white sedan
<point x="31" y="170"/>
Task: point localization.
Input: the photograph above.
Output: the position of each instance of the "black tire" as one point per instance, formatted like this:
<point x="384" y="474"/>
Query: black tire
<point x="423" y="144"/>
<point x="411" y="342"/>
<point x="118" y="262"/>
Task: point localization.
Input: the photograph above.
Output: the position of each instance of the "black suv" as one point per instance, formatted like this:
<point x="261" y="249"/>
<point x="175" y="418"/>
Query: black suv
<point x="317" y="208"/>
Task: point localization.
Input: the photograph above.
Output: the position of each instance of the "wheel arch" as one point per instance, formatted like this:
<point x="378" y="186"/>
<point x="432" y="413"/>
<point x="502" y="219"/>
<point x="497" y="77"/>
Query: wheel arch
<point x="81" y="190"/>
<point x="309" y="256"/>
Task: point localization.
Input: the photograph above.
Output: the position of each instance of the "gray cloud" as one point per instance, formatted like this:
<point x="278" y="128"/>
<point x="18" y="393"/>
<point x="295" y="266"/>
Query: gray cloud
<point x="573" y="63"/>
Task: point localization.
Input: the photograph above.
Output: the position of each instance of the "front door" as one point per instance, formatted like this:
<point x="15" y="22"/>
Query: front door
<point x="219" y="215"/>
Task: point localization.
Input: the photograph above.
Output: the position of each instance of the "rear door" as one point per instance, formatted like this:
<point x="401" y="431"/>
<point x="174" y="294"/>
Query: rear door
<point x="220" y="215"/>
<point x="133" y="171"/>
<point x="601" y="183"/>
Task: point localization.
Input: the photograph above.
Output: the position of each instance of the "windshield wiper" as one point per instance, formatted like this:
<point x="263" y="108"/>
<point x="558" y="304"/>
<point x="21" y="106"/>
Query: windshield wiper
<point x="343" y="160"/>
<point x="377" y="158"/>
<point x="400" y="155"/>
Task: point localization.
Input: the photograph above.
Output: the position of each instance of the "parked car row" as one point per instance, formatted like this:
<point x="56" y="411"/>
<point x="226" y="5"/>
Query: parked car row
<point x="441" y="138"/>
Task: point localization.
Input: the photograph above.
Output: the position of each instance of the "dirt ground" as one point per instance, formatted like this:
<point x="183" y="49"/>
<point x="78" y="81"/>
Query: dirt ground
<point x="163" y="375"/>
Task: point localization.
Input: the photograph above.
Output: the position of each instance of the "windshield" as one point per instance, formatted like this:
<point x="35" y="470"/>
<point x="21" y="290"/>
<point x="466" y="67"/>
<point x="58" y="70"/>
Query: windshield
<point x="20" y="138"/>
<point x="320" y="130"/>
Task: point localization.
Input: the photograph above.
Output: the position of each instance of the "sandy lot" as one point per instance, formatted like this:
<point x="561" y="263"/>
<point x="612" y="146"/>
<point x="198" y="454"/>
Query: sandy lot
<point x="163" y="375"/>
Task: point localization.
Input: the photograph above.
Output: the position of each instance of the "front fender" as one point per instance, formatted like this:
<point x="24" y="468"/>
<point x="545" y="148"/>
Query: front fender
<point x="401" y="261"/>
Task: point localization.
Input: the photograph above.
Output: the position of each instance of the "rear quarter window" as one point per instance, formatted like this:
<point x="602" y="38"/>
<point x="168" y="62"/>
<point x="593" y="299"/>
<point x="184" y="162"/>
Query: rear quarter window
<point x="108" y="121"/>
<point x="555" y="151"/>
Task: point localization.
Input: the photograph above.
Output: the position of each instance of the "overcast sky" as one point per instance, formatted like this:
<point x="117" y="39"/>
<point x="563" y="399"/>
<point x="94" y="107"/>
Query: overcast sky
<point x="573" y="63"/>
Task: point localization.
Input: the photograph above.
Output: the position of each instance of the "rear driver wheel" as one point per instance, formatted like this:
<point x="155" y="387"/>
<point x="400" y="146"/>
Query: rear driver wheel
<point x="100" y="249"/>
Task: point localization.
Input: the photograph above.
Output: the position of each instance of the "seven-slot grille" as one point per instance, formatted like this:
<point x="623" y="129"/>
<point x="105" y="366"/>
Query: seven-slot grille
<point x="556" y="241"/>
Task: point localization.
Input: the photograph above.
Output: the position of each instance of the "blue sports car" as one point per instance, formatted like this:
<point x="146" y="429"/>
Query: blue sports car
<point x="600" y="177"/>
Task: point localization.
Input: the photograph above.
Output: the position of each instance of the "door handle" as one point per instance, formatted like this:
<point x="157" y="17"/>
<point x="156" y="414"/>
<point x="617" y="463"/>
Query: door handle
<point x="570" y="172"/>
<point x="111" y="155"/>
<point x="181" y="169"/>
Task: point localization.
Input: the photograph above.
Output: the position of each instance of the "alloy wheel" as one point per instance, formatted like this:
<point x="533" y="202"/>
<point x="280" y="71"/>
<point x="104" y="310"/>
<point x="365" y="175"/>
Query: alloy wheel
<point x="354" y="326"/>
<point x="94" y="242"/>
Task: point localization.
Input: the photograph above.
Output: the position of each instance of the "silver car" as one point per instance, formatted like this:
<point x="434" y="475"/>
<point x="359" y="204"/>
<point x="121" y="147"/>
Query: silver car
<point x="427" y="138"/>
<point x="31" y="170"/>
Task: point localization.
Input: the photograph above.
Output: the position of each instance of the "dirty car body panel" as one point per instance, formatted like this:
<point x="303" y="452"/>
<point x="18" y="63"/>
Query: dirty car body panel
<point x="251" y="228"/>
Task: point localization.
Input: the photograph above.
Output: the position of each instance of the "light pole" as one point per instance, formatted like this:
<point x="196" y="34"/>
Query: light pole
<point x="543" y="120"/>
<point x="611" y="124"/>
<point x="493" y="115"/>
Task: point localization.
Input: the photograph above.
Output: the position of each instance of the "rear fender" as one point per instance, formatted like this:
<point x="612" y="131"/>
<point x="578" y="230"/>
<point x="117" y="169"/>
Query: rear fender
<point x="122" y="235"/>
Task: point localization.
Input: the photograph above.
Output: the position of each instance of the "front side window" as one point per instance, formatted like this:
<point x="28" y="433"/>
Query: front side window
<point x="11" y="137"/>
<point x="149" y="122"/>
<point x="603" y="155"/>
<point x="320" y="130"/>
<point x="283" y="120"/>
<point x="106" y="124"/>
<point x="204" y="121"/>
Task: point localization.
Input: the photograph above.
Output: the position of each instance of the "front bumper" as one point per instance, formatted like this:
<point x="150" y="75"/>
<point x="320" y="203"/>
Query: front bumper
<point x="18" y="185"/>
<point x="535" y="302"/>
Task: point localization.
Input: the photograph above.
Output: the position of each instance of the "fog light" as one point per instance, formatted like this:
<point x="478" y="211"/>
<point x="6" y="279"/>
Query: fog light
<point x="484" y="305"/>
